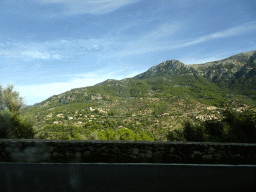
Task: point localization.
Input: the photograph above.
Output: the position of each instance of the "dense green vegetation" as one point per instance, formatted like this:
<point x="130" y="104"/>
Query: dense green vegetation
<point x="12" y="125"/>
<point x="125" y="110"/>
<point x="234" y="128"/>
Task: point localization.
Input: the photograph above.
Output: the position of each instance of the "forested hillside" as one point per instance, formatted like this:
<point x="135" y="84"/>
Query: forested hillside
<point x="168" y="99"/>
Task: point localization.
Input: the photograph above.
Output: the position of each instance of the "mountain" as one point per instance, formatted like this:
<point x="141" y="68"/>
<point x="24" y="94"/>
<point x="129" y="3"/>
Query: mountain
<point x="216" y="71"/>
<point x="160" y="96"/>
<point x="24" y="106"/>
<point x="170" y="67"/>
<point x="108" y="80"/>
<point x="236" y="72"/>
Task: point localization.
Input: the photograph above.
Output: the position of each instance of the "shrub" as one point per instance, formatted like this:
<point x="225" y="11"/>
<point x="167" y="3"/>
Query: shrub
<point x="111" y="113"/>
<point x="94" y="135"/>
<point x="15" y="126"/>
<point x="5" y="124"/>
<point x="96" y="111"/>
<point x="127" y="134"/>
<point x="175" y="135"/>
<point x="83" y="137"/>
<point x="129" y="114"/>
<point x="108" y="134"/>
<point x="77" y="137"/>
<point x="145" y="137"/>
<point x="65" y="136"/>
<point x="242" y="126"/>
<point x="194" y="133"/>
<point x="215" y="129"/>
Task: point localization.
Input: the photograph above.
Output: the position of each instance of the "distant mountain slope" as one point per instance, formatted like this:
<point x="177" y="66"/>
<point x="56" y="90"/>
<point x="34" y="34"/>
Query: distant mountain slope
<point x="154" y="101"/>
<point x="237" y="72"/>
<point x="216" y="71"/>
<point x="225" y="69"/>
<point x="170" y="67"/>
<point x="233" y="74"/>
<point x="24" y="106"/>
<point x="108" y="80"/>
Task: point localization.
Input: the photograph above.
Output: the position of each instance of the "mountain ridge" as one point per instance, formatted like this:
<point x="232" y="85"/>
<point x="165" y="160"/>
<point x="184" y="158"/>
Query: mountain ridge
<point x="228" y="71"/>
<point x="233" y="61"/>
<point x="155" y="101"/>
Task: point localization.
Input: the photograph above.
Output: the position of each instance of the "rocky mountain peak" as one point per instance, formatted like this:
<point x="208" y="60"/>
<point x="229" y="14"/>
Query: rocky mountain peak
<point x="242" y="57"/>
<point x="171" y="64"/>
<point x="168" y="66"/>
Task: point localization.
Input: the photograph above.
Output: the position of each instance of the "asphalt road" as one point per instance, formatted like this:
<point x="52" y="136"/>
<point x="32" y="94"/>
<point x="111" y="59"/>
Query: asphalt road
<point x="111" y="177"/>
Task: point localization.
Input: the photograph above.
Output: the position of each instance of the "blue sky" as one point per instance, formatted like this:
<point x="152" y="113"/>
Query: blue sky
<point x="48" y="47"/>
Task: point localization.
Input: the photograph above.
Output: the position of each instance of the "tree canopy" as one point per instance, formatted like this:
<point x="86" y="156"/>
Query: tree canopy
<point x="12" y="125"/>
<point x="10" y="99"/>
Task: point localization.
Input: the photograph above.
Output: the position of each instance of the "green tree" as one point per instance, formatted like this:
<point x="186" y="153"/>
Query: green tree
<point x="77" y="137"/>
<point x="65" y="136"/>
<point x="108" y="134"/>
<point x="194" y="133"/>
<point x="96" y="111"/>
<point x="127" y="134"/>
<point x="2" y="105"/>
<point x="175" y="135"/>
<point x="11" y="99"/>
<point x="66" y="117"/>
<point x="111" y="113"/>
<point x="12" y="125"/>
<point x="241" y="126"/>
<point x="145" y="137"/>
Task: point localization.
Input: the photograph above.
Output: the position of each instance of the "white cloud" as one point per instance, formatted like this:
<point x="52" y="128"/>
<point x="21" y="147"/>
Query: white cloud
<point x="155" y="40"/>
<point x="39" y="92"/>
<point x="3" y="52"/>
<point x="47" y="90"/>
<point x="74" y="7"/>
<point x="163" y="30"/>
<point x="226" y="33"/>
<point x="163" y="37"/>
<point x="235" y="30"/>
<point x="121" y="30"/>
<point x="56" y="56"/>
<point x="31" y="54"/>
<point x="36" y="55"/>
<point x="184" y="2"/>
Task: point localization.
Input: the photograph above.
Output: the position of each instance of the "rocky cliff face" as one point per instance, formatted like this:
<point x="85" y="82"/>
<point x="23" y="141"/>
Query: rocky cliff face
<point x="226" y="70"/>
<point x="169" y="67"/>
